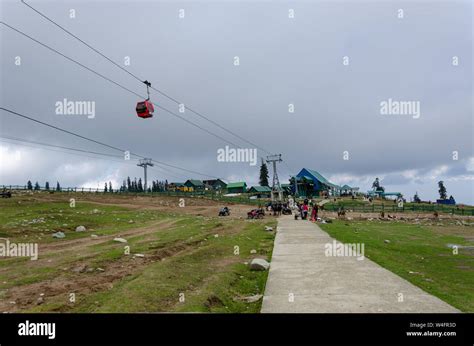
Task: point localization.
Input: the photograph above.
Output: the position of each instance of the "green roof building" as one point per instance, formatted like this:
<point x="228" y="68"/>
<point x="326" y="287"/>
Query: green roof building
<point x="348" y="190"/>
<point x="195" y="184"/>
<point x="177" y="184"/>
<point x="261" y="191"/>
<point x="238" y="187"/>
<point x="214" y="184"/>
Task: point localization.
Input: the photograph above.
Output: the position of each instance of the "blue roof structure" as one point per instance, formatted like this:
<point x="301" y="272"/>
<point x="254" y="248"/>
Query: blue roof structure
<point x="317" y="178"/>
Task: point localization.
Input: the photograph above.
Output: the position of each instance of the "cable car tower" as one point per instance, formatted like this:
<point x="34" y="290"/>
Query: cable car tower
<point x="277" y="192"/>
<point x="145" y="163"/>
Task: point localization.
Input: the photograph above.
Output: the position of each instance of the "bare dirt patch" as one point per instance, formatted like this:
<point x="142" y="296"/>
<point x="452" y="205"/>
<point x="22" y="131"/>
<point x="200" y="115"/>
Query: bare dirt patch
<point x="193" y="205"/>
<point x="82" y="278"/>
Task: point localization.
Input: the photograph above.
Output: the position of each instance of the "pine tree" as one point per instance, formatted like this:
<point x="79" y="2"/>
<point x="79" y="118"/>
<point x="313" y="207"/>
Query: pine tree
<point x="140" y="186"/>
<point x="416" y="198"/>
<point x="135" y="185"/>
<point x="29" y="185"/>
<point x="263" y="174"/>
<point x="105" y="187"/>
<point x="110" y="187"/>
<point x="124" y="186"/>
<point x="37" y="186"/>
<point x="58" y="187"/>
<point x="442" y="190"/>
<point x="46" y="186"/>
<point x="129" y="184"/>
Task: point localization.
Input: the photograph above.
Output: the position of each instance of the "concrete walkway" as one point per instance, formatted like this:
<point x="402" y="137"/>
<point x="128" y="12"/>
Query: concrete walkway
<point x="303" y="279"/>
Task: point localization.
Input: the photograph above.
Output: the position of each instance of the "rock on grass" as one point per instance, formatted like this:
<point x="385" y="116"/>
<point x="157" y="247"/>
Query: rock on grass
<point x="59" y="235"/>
<point x="259" y="264"/>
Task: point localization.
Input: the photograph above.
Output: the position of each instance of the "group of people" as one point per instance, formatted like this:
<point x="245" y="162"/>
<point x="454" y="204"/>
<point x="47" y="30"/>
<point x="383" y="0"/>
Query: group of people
<point x="278" y="208"/>
<point x="303" y="209"/>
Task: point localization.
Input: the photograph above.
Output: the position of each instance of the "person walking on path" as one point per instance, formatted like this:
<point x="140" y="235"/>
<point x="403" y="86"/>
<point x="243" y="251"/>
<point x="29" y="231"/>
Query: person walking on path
<point x="305" y="210"/>
<point x="314" y="212"/>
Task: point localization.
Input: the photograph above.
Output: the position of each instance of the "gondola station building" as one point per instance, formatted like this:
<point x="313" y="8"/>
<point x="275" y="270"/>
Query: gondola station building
<point x="311" y="183"/>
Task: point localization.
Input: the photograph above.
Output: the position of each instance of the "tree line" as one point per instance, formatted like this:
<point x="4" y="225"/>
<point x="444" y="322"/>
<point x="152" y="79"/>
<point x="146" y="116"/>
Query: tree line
<point x="37" y="186"/>
<point x="137" y="186"/>
<point x="128" y="185"/>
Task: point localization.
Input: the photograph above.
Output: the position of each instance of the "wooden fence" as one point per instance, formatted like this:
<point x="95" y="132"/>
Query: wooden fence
<point x="245" y="199"/>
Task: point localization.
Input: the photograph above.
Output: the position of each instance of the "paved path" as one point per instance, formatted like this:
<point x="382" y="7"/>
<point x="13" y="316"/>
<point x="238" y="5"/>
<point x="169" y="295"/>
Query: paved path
<point x="318" y="283"/>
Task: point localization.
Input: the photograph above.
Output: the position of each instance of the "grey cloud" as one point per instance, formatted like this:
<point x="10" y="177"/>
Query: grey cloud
<point x="282" y="61"/>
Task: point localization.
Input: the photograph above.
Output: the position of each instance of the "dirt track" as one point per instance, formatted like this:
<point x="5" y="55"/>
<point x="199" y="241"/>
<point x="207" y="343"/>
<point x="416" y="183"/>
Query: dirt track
<point x="81" y="276"/>
<point x="192" y="205"/>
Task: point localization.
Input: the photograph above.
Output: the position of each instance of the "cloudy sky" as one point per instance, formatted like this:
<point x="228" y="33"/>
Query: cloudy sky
<point x="334" y="61"/>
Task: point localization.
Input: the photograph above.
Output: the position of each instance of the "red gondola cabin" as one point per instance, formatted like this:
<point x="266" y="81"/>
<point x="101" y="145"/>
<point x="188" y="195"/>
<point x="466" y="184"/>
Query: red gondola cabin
<point x="145" y="109"/>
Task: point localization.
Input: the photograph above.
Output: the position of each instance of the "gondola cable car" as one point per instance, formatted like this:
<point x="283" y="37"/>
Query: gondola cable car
<point x="145" y="108"/>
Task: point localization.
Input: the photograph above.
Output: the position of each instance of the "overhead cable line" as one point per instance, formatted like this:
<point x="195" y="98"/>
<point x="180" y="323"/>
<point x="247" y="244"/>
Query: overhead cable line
<point x="58" y="146"/>
<point x="167" y="170"/>
<point x="7" y="140"/>
<point x="141" y="79"/>
<point x="50" y="147"/>
<point x="117" y="84"/>
<point x="98" y="142"/>
<point x="66" y="131"/>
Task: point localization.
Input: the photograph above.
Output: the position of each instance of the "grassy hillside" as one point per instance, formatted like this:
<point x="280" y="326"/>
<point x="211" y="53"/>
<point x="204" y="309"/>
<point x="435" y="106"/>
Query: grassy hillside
<point x="174" y="262"/>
